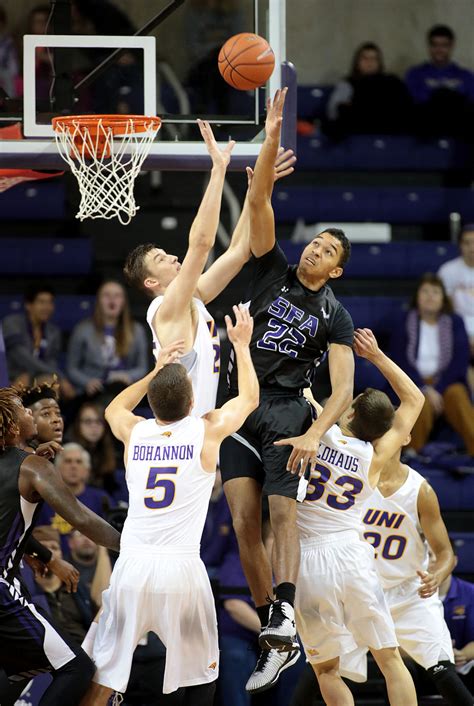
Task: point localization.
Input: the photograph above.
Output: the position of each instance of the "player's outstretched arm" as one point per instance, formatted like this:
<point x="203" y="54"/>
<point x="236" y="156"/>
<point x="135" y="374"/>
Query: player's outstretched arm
<point x="435" y="531"/>
<point x="119" y="413"/>
<point x="305" y="447"/>
<point x="228" y="265"/>
<point x="39" y="476"/>
<point x="230" y="417"/>
<point x="202" y="235"/>
<point x="262" y="219"/>
<point x="411" y="398"/>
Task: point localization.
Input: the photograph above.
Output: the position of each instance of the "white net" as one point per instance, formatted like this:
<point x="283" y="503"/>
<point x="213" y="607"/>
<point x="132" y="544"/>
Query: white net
<point x="105" y="163"/>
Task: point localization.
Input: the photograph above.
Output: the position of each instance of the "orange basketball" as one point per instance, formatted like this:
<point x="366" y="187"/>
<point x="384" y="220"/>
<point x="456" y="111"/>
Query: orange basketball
<point x="246" y="61"/>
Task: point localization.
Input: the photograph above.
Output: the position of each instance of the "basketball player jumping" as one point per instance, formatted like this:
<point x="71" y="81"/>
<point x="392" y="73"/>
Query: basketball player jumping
<point x="402" y="521"/>
<point x="29" y="641"/>
<point x="297" y="318"/>
<point x="180" y="292"/>
<point x="159" y="582"/>
<point x="339" y="600"/>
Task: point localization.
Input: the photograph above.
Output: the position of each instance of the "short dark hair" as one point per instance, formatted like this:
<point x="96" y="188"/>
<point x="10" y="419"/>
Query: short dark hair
<point x="134" y="268"/>
<point x="339" y="234"/>
<point x="441" y="31"/>
<point x="431" y="278"/>
<point x="42" y="391"/>
<point x="170" y="393"/>
<point x="468" y="228"/>
<point x="35" y="290"/>
<point x="373" y="415"/>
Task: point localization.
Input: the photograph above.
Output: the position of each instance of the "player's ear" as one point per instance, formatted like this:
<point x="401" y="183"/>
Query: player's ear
<point x="151" y="283"/>
<point x="336" y="272"/>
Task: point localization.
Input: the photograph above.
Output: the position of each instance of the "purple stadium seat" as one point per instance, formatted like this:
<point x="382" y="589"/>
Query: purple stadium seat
<point x="464" y="546"/>
<point x="423" y="204"/>
<point x="70" y="308"/>
<point x="312" y="101"/>
<point x="45" y="256"/>
<point x="378" y="152"/>
<point x="32" y="201"/>
<point x="3" y="362"/>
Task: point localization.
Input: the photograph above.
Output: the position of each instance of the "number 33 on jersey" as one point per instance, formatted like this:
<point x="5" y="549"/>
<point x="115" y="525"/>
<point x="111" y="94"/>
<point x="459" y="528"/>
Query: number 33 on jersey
<point x="337" y="487"/>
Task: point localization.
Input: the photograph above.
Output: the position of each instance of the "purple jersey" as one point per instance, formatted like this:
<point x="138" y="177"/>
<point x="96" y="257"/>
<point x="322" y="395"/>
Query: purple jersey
<point x="459" y="611"/>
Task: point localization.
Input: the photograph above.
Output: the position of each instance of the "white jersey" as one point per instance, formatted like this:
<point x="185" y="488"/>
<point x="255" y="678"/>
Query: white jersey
<point x="393" y="528"/>
<point x="169" y="490"/>
<point x="204" y="370"/>
<point x="338" y="487"/>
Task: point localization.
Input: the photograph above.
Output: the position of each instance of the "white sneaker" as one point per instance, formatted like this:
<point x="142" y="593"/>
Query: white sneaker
<point x="280" y="633"/>
<point x="270" y="665"/>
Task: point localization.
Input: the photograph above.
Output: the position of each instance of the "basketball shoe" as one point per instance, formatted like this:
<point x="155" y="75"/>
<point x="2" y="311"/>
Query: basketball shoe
<point x="270" y="665"/>
<point x="280" y="633"/>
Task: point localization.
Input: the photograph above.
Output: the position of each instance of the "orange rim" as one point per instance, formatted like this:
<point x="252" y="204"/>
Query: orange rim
<point x="117" y="123"/>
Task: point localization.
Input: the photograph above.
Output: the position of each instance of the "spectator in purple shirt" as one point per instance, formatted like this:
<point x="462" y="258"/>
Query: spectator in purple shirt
<point x="458" y="601"/>
<point x="430" y="344"/>
<point x="442" y="90"/>
<point x="74" y="464"/>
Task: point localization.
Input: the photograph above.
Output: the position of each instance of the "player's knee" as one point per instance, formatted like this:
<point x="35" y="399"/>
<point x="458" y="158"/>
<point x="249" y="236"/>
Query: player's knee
<point x="328" y="669"/>
<point x="247" y="527"/>
<point x="388" y="660"/>
<point x="282" y="515"/>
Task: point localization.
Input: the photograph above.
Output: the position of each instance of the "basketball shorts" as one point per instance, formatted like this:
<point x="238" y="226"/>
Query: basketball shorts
<point x="164" y="590"/>
<point x="30" y="644"/>
<point x="419" y="626"/>
<point x="250" y="452"/>
<point x="340" y="604"/>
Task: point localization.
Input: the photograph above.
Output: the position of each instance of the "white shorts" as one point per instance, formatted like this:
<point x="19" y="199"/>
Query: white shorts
<point x="165" y="591"/>
<point x="339" y="600"/>
<point x="419" y="626"/>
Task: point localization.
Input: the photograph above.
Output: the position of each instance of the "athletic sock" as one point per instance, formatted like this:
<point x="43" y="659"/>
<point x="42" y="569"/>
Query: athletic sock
<point x="263" y="612"/>
<point x="449" y="684"/>
<point x="286" y="592"/>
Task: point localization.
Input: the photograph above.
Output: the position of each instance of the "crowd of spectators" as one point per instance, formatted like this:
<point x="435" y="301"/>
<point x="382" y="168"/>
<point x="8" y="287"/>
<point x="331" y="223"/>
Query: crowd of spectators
<point x="435" y="98"/>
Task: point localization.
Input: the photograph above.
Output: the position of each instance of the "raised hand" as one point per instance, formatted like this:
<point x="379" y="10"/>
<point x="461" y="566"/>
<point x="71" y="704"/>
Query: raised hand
<point x="429" y="584"/>
<point x="283" y="165"/>
<point x="170" y="354"/>
<point x="275" y="114"/>
<point x="68" y="573"/>
<point x="365" y="344"/>
<point x="220" y="158"/>
<point x="49" y="449"/>
<point x="305" y="451"/>
<point x="241" y="332"/>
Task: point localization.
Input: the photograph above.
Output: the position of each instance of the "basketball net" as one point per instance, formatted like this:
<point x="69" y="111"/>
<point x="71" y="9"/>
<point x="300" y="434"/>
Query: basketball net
<point x="105" y="154"/>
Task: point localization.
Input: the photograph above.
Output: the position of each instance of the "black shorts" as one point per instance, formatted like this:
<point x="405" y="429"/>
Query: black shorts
<point x="250" y="452"/>
<point x="29" y="642"/>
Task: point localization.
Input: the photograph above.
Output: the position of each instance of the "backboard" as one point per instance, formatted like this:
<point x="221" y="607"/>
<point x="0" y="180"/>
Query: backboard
<point x="162" y="70"/>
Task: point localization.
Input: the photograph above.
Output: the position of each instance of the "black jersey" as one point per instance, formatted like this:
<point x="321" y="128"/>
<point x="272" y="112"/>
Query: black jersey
<point x="293" y="325"/>
<point x="16" y="513"/>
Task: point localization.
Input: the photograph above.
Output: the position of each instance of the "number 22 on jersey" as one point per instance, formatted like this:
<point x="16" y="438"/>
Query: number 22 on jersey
<point x="160" y="490"/>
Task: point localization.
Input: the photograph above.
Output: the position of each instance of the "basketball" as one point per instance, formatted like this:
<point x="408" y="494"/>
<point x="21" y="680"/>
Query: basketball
<point x="246" y="61"/>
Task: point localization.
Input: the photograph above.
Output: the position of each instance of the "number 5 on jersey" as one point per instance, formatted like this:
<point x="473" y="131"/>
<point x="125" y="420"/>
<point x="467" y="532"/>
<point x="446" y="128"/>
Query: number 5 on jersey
<point x="167" y="487"/>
